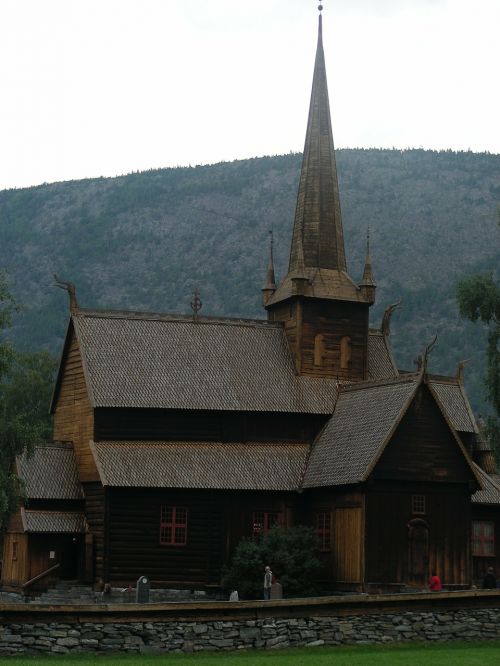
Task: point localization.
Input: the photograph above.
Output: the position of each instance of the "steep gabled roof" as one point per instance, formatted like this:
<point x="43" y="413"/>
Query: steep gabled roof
<point x="490" y="492"/>
<point x="452" y="397"/>
<point x="172" y="362"/>
<point x="365" y="418"/>
<point x="50" y="473"/>
<point x="208" y="465"/>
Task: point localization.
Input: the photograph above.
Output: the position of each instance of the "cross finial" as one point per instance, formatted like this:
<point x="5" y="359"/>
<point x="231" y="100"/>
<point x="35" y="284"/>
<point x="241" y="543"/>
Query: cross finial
<point x="196" y="304"/>
<point x="320" y="7"/>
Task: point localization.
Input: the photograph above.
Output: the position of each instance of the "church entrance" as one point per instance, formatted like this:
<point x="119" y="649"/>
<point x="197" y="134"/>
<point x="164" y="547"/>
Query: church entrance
<point x="418" y="552"/>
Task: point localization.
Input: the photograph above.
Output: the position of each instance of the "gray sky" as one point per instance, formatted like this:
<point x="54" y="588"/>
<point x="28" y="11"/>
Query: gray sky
<point x="104" y="87"/>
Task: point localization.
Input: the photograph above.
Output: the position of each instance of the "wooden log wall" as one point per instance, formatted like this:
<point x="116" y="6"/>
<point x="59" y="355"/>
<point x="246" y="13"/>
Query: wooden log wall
<point x="15" y="562"/>
<point x="216" y="522"/>
<point x="423" y="447"/>
<point x="73" y="414"/>
<point x="388" y="539"/>
<point x="343" y="562"/>
<point x="178" y="425"/>
<point x="304" y="319"/>
<point x="95" y="512"/>
<point x="480" y="564"/>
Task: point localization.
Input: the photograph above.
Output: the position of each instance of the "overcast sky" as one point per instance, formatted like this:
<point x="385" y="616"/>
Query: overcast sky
<point x="105" y="87"/>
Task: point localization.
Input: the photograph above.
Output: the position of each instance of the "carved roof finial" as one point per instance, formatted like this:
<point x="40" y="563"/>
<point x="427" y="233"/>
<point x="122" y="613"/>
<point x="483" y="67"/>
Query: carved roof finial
<point x="424" y="358"/>
<point x="460" y="369"/>
<point x="71" y="289"/>
<point x="386" y="317"/>
<point x="196" y="304"/>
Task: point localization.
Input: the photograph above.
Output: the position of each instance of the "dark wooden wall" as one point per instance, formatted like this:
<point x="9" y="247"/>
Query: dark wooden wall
<point x="423" y="448"/>
<point x="204" y="426"/>
<point x="388" y="516"/>
<point x="481" y="564"/>
<point x="216" y="522"/>
<point x="343" y="561"/>
<point x="95" y="512"/>
<point x="305" y="318"/>
<point x="73" y="414"/>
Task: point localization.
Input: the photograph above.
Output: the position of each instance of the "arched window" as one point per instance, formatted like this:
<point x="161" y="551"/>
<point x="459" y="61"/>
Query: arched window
<point x="345" y="352"/>
<point x="319" y="349"/>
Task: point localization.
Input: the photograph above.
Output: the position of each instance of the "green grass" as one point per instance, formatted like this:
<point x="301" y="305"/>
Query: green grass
<point x="444" y="654"/>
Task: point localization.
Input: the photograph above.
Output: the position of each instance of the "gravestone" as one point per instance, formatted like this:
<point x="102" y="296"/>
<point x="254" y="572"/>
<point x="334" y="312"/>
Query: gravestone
<point x="276" y="590"/>
<point x="142" y="590"/>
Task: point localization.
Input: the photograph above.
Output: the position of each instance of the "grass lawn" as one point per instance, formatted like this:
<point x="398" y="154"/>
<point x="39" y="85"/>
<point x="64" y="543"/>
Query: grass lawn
<point x="456" y="654"/>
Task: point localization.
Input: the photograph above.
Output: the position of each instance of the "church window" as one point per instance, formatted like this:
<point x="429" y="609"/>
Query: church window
<point x="262" y="521"/>
<point x="418" y="503"/>
<point x="323" y="529"/>
<point x="173" y="525"/>
<point x="345" y="352"/>
<point x="483" y="538"/>
<point x="319" y="349"/>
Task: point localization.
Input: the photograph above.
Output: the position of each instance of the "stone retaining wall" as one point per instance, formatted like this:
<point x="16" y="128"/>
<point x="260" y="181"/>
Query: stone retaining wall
<point x="184" y="636"/>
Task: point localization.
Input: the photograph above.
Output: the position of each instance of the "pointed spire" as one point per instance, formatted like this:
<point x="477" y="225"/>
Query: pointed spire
<point x="317" y="266"/>
<point x="368" y="285"/>
<point x="317" y="234"/>
<point x="270" y="284"/>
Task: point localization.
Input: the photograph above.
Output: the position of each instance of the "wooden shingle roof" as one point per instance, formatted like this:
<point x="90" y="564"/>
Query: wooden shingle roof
<point x="71" y="522"/>
<point x="380" y="361"/>
<point x="172" y="362"/>
<point x="490" y="493"/>
<point x="208" y="465"/>
<point x="365" y="416"/>
<point x="454" y="400"/>
<point x="50" y="473"/>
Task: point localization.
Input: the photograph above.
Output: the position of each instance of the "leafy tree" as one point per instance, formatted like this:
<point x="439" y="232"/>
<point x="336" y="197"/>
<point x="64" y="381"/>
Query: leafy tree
<point x="479" y="300"/>
<point x="25" y="388"/>
<point x="291" y="554"/>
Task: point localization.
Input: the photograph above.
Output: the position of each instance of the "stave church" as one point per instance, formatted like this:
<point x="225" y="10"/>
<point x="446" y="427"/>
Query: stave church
<point x="175" y="436"/>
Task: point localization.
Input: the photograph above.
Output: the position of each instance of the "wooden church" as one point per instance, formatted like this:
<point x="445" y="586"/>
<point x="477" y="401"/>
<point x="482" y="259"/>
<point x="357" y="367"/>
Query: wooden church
<point x="175" y="436"/>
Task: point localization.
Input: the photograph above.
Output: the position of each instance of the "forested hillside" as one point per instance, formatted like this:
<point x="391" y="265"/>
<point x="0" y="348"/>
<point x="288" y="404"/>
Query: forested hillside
<point x="145" y="240"/>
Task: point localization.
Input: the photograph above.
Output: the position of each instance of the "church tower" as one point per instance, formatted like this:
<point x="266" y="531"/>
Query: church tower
<point x="324" y="312"/>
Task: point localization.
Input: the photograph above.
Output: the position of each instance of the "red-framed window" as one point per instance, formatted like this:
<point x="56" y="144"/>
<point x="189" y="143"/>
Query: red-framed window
<point x="418" y="504"/>
<point x="323" y="527"/>
<point x="483" y="538"/>
<point x="262" y="521"/>
<point x="173" y="525"/>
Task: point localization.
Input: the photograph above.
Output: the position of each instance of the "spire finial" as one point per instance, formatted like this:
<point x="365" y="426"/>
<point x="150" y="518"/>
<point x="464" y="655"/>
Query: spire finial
<point x="270" y="285"/>
<point x="196" y="304"/>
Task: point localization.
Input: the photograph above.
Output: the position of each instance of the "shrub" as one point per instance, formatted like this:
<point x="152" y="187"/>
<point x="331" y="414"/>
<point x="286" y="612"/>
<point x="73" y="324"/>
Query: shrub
<point x="291" y="554"/>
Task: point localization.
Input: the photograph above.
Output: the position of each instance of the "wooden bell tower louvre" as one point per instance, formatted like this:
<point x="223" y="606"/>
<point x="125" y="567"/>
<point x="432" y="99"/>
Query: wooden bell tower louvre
<point x="324" y="312"/>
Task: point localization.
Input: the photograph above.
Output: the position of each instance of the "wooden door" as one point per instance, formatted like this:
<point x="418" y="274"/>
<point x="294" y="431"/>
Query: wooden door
<point x="418" y="552"/>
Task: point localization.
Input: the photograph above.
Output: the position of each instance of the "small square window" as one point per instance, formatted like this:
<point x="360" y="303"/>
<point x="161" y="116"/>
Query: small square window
<point x="418" y="504"/>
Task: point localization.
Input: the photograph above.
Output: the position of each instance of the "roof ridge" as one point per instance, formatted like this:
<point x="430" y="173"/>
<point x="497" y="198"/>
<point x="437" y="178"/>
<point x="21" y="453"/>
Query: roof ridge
<point x="386" y="381"/>
<point x="175" y="318"/>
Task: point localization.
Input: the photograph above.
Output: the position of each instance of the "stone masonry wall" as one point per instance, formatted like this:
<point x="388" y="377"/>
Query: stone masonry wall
<point x="176" y="636"/>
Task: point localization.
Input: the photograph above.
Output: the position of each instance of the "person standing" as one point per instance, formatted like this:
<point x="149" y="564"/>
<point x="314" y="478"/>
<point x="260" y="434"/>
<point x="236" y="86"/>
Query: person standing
<point x="268" y="581"/>
<point x="489" y="581"/>
<point x="435" y="583"/>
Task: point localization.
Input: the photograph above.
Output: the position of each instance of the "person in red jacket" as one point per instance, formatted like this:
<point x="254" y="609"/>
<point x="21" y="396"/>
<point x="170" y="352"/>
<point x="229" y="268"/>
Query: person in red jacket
<point x="435" y="583"/>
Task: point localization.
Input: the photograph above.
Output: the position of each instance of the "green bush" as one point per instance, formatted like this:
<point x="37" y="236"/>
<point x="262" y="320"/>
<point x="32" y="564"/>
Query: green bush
<point x="291" y="554"/>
